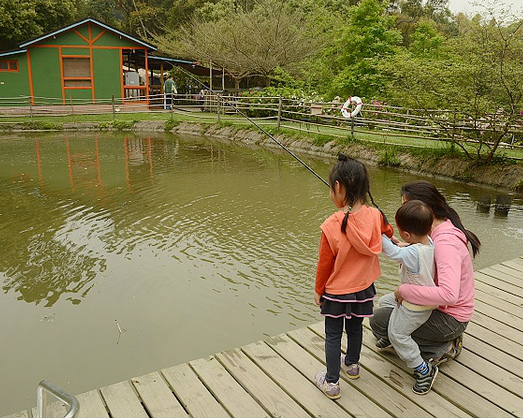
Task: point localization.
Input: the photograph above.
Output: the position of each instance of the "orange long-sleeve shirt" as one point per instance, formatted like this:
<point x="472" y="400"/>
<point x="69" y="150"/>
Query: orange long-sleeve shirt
<point x="348" y="263"/>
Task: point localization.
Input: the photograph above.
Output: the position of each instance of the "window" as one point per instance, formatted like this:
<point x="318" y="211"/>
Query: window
<point x="77" y="72"/>
<point x="11" y="66"/>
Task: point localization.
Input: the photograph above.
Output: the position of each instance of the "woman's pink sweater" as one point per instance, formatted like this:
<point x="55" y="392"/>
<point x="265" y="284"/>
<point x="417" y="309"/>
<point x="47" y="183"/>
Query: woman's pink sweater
<point x="454" y="293"/>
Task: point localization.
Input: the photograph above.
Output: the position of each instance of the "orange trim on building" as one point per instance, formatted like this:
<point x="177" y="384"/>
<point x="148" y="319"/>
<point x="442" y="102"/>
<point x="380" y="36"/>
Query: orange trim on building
<point x="102" y="33"/>
<point x="81" y="36"/>
<point x="62" y="78"/>
<point x="30" y="75"/>
<point x="121" y="74"/>
<point x="146" y="77"/>
<point x="84" y="47"/>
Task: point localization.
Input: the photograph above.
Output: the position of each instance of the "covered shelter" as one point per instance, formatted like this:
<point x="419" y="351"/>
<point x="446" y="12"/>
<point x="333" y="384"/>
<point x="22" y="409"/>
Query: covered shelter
<point x="85" y="62"/>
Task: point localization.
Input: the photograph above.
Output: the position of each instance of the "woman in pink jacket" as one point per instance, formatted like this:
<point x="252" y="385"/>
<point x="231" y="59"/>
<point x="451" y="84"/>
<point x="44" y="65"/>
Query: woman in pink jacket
<point x="440" y="338"/>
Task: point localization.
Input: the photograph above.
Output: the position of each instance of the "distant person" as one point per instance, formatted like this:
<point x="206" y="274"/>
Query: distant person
<point x="441" y="336"/>
<point x="414" y="222"/>
<point x="348" y="265"/>
<point x="169" y="90"/>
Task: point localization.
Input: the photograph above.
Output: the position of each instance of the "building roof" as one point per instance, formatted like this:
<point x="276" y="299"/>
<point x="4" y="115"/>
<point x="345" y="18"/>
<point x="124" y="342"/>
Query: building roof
<point x="80" y="23"/>
<point x="13" y="52"/>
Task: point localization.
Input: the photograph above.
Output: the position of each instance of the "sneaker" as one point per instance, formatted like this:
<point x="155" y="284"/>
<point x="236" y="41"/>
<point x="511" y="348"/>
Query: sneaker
<point x="383" y="343"/>
<point x="424" y="382"/>
<point x="352" y="371"/>
<point x="453" y="352"/>
<point x="331" y="390"/>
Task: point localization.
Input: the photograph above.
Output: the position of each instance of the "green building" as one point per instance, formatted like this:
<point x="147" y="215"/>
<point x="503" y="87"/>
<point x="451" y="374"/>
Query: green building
<point x="87" y="61"/>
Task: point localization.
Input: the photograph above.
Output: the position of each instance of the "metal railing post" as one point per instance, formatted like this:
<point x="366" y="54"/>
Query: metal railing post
<point x="45" y="386"/>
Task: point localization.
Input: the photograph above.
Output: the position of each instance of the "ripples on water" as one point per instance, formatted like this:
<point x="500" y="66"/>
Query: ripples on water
<point x="193" y="246"/>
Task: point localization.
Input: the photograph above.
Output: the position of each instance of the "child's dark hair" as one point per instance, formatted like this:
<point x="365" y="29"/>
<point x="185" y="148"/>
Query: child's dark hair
<point x="416" y="217"/>
<point x="428" y="193"/>
<point x="353" y="176"/>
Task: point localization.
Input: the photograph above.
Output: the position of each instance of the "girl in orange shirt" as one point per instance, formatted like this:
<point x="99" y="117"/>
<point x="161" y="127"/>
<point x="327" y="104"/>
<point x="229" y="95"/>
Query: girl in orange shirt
<point x="348" y="265"/>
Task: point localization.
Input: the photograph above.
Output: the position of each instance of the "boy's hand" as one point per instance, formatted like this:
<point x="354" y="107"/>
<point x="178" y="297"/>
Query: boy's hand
<point x="397" y="296"/>
<point x="317" y="299"/>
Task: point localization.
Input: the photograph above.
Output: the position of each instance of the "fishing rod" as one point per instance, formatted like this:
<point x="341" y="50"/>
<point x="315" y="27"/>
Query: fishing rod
<point x="237" y="110"/>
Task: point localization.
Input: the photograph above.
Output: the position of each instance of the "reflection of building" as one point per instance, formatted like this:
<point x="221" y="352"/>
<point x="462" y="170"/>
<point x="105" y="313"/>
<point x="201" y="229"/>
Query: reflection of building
<point x="87" y="61"/>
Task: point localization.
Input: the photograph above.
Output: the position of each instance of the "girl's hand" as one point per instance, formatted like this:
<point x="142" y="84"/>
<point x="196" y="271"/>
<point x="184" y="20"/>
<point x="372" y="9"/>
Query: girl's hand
<point x="397" y="296"/>
<point x="317" y="299"/>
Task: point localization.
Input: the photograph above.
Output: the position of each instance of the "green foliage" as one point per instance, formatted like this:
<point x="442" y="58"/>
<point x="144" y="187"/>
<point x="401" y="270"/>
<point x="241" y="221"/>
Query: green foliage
<point x="389" y="158"/>
<point x="123" y="125"/>
<point x="21" y="20"/>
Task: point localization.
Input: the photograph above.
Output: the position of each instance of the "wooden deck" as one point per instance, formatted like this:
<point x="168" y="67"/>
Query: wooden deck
<point x="274" y="377"/>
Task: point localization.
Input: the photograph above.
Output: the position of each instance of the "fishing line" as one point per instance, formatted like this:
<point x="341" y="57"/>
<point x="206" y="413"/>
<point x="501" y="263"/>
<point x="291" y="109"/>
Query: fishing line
<point x="237" y="110"/>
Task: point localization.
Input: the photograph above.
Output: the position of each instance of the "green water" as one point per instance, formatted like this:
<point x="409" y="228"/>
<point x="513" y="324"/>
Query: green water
<point x="187" y="245"/>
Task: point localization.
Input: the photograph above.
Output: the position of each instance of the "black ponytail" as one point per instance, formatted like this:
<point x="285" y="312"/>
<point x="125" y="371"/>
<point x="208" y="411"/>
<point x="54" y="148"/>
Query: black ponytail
<point x="428" y="193"/>
<point x="353" y="176"/>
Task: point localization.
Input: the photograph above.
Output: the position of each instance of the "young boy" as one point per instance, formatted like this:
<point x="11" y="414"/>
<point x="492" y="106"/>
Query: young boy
<point x="414" y="222"/>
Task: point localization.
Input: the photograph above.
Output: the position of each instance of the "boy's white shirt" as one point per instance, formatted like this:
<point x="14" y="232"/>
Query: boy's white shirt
<point x="409" y="257"/>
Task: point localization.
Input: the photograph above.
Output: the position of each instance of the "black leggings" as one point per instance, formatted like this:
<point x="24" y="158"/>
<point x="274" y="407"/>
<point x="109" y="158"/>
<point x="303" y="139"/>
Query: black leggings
<point x="333" y="334"/>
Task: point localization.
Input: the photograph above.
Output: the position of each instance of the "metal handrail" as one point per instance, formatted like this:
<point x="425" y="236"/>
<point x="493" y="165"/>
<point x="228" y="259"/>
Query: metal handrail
<point x="45" y="386"/>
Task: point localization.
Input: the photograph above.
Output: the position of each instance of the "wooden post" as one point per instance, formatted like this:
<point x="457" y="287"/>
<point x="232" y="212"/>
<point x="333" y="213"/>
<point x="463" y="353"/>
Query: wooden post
<point x="31" y="108"/>
<point x="114" y="109"/>
<point x="279" y="111"/>
<point x="352" y="126"/>
<point x="72" y="108"/>
<point x="454" y="125"/>
<point x="218" y="107"/>
<point x="210" y="75"/>
<point x="223" y="78"/>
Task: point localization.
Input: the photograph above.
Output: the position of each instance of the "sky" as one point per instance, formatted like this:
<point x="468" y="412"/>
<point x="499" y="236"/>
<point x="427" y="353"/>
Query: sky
<point x="457" y="6"/>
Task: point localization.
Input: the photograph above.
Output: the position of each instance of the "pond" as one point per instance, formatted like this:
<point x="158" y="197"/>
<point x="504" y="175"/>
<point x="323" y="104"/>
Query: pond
<point x="125" y="254"/>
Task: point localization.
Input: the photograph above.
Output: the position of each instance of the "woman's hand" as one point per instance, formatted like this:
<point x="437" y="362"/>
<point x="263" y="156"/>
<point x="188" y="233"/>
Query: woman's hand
<point x="397" y="296"/>
<point x="317" y="299"/>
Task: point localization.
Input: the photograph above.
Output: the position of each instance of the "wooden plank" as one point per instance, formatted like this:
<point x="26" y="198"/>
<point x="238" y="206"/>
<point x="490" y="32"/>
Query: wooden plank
<point x="402" y="382"/>
<point x="352" y="400"/>
<point x="122" y="401"/>
<point x="21" y="414"/>
<point x="499" y="315"/>
<point x="387" y="397"/>
<point x="493" y="278"/>
<point x="491" y="371"/>
<point x="498" y="303"/>
<point x="514" y="264"/>
<point x="512" y="276"/>
<point x="304" y="392"/>
<point x="454" y="391"/>
<point x="259" y="385"/>
<point x="192" y="393"/>
<point x="226" y="389"/>
<point x="493" y="354"/>
<point x="499" y="293"/>
<point x="498" y="327"/>
<point x="53" y="409"/>
<point x="91" y="405"/>
<point x="157" y="397"/>
<point x="494" y="339"/>
<point x="484" y="387"/>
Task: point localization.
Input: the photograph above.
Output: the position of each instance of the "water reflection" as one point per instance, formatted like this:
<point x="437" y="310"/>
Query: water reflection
<point x="47" y="231"/>
<point x="502" y="203"/>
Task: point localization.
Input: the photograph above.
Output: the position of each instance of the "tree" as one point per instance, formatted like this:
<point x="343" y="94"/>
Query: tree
<point x="478" y="75"/>
<point x="25" y="19"/>
<point x="368" y="38"/>
<point x="244" y="43"/>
